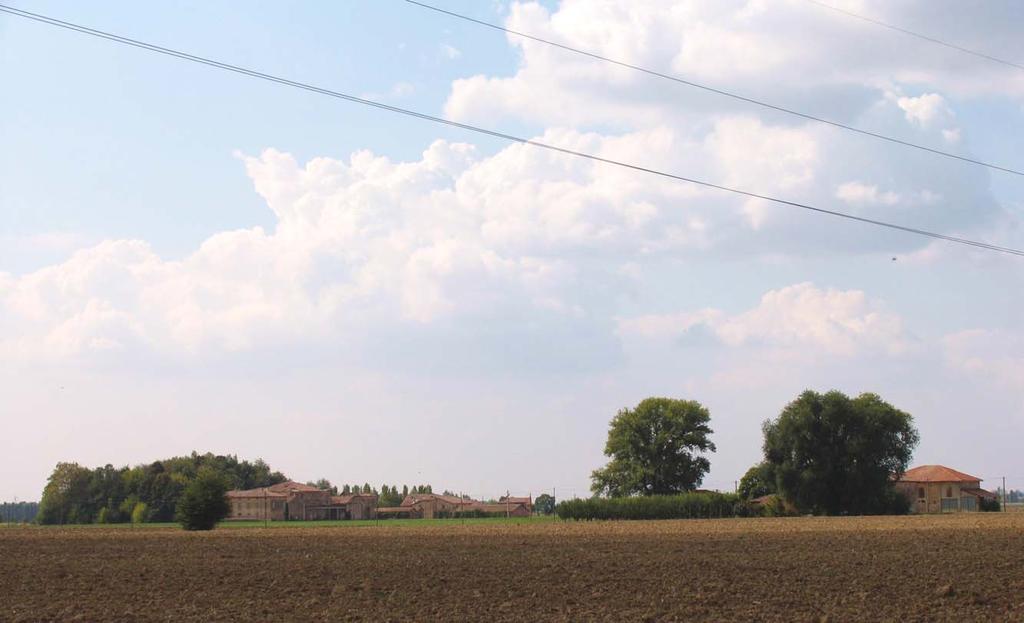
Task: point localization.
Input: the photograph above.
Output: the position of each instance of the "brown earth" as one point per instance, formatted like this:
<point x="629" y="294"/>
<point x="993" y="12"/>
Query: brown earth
<point x="967" y="567"/>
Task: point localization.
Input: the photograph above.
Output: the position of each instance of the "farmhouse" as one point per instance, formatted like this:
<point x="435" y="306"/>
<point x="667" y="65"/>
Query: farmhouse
<point x="294" y="501"/>
<point x="940" y="489"/>
<point x="527" y="502"/>
<point x="434" y="505"/>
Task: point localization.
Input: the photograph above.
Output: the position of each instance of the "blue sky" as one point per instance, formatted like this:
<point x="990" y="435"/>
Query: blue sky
<point x="191" y="259"/>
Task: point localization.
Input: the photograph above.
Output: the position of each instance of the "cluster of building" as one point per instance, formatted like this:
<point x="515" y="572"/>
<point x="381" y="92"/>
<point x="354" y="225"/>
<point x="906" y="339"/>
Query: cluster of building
<point x="931" y="489"/>
<point x="294" y="501"/>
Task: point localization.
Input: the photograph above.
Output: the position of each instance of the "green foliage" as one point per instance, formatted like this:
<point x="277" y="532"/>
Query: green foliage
<point x="679" y="506"/>
<point x="759" y="480"/>
<point x="544" y="504"/>
<point x="655" y="449"/>
<point x="104" y="516"/>
<point x="835" y="455"/>
<point x="66" y="496"/>
<point x="986" y="505"/>
<point x="140" y="513"/>
<point x="204" y="502"/>
<point x="75" y="494"/>
<point x="324" y="485"/>
<point x="18" y="512"/>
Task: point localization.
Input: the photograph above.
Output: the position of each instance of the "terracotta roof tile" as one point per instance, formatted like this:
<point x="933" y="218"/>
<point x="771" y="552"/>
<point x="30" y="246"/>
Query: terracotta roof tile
<point x="936" y="473"/>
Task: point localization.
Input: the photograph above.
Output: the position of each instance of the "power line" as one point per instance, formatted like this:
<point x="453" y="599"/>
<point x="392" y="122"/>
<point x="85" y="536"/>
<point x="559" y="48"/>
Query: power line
<point x="735" y="96"/>
<point x="952" y="46"/>
<point x="517" y="139"/>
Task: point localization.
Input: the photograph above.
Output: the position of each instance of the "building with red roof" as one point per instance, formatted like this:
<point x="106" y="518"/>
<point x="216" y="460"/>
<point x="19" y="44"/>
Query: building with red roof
<point x="941" y="489"/>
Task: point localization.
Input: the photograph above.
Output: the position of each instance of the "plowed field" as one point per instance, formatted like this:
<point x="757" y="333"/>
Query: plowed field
<point x="950" y="568"/>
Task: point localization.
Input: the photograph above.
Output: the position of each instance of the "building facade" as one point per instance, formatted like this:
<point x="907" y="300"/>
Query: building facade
<point x="294" y="501"/>
<point x="940" y="489"/>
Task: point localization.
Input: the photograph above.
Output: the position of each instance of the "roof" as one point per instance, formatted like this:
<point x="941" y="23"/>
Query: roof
<point x="936" y="473"/>
<point x="414" y="498"/>
<point x="515" y="500"/>
<point x="348" y="497"/>
<point x="496" y="507"/>
<point x="291" y="486"/>
<point x="262" y="492"/>
<point x="981" y="493"/>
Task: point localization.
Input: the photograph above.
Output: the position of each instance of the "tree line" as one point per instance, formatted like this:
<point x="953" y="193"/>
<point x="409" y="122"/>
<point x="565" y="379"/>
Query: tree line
<point x="152" y="492"/>
<point x="18" y="512"/>
<point x="143" y="493"/>
<point x="387" y="495"/>
<point x="825" y="453"/>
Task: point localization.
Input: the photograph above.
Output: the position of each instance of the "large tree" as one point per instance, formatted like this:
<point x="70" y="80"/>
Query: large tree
<point x="657" y="448"/>
<point x="832" y="454"/>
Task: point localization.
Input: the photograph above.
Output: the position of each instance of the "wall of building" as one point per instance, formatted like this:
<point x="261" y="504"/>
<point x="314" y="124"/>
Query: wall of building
<point x="937" y="497"/>
<point x="302" y="505"/>
<point x="257" y="508"/>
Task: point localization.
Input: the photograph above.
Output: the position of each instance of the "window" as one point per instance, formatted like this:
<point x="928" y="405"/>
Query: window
<point x="920" y="493"/>
<point x="949" y="492"/>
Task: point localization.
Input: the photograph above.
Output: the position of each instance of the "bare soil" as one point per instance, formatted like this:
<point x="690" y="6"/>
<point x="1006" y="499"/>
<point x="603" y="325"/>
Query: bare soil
<point x="966" y="567"/>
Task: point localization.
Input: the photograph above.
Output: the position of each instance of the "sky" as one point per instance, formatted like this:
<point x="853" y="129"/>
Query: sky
<point x="196" y="260"/>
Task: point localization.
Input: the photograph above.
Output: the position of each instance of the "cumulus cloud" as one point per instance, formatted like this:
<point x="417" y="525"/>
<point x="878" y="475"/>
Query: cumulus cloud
<point x="777" y="52"/>
<point x="990" y="355"/>
<point x="925" y="110"/>
<point x="838" y="322"/>
<point x="859" y="193"/>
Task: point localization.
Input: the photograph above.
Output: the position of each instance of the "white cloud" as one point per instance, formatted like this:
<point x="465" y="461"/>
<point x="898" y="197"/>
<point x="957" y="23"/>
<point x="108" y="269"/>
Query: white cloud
<point x="926" y="110"/>
<point x="450" y="52"/>
<point x="858" y="193"/>
<point x="838" y="322"/>
<point x="989" y="355"/>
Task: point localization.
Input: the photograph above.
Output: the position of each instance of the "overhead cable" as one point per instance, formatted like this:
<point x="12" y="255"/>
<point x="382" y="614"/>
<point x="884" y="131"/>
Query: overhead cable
<point x="729" y="94"/>
<point x="472" y="128"/>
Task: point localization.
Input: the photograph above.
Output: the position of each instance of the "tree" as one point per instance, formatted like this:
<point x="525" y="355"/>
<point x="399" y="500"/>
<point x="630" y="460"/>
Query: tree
<point x="759" y="480"/>
<point x="544" y="504"/>
<point x="66" y="495"/>
<point x="204" y="502"/>
<point x="324" y="485"/>
<point x="656" y="449"/>
<point x="833" y="455"/>
<point x="139" y="512"/>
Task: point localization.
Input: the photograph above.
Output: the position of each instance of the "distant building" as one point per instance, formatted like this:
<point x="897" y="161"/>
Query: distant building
<point x="527" y="502"/>
<point x="435" y="505"/>
<point x="940" y="489"/>
<point x="294" y="501"/>
<point x="431" y="505"/>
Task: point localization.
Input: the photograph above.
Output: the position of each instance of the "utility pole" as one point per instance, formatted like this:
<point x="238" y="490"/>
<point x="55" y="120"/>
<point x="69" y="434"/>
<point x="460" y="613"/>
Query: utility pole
<point x="1004" y="494"/>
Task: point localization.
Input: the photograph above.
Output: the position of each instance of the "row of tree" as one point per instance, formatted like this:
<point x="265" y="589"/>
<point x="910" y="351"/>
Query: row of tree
<point x="18" y="512"/>
<point x="388" y="495"/>
<point x="823" y="454"/>
<point x="152" y="492"/>
<point x="149" y="492"/>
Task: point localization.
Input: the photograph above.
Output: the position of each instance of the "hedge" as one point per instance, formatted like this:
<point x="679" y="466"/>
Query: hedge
<point x="682" y="506"/>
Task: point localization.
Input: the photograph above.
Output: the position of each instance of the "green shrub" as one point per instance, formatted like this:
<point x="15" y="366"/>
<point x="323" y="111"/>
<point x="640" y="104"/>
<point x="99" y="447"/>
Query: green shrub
<point x="681" y="506"/>
<point x="986" y="505"/>
<point x="896" y="502"/>
<point x="744" y="508"/>
<point x="203" y="503"/>
<point x="140" y="512"/>
<point x="104" y="516"/>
